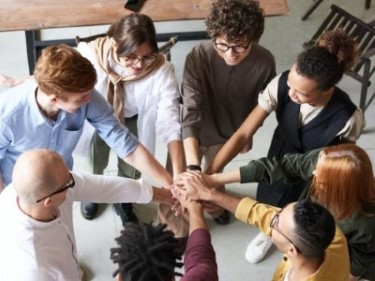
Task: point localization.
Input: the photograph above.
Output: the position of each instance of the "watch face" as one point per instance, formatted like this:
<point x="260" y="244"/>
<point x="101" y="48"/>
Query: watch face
<point x="134" y="5"/>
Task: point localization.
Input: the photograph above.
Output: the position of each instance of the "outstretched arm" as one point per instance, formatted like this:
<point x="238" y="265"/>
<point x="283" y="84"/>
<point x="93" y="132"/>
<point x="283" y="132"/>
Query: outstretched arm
<point x="9" y="82"/>
<point x="176" y="154"/>
<point x="142" y="160"/>
<point x="239" y="140"/>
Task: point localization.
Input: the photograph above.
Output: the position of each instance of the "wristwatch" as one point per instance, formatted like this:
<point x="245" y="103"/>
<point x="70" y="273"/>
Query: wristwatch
<point x="194" y="168"/>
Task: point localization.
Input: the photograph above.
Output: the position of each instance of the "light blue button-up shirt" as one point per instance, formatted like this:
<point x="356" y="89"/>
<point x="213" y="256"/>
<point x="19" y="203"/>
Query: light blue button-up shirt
<point x="23" y="127"/>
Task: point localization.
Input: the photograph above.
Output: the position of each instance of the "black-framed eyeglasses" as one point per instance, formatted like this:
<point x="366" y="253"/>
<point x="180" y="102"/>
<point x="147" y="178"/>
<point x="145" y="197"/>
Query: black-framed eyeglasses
<point x="236" y="48"/>
<point x="70" y="184"/>
<point x="133" y="59"/>
<point x="274" y="224"/>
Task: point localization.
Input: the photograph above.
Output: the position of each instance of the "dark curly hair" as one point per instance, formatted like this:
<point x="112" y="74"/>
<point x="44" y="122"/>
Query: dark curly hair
<point x="147" y="252"/>
<point x="314" y="228"/>
<point x="236" y="19"/>
<point x="334" y="54"/>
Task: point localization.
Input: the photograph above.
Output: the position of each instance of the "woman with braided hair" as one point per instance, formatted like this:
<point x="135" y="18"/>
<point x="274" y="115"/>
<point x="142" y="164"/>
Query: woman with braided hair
<point x="150" y="252"/>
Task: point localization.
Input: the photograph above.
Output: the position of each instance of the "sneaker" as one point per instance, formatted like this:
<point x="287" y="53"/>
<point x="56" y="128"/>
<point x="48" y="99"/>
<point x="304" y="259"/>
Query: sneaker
<point x="258" y="248"/>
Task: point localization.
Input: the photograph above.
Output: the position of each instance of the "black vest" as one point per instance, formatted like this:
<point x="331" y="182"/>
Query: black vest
<point x="288" y="138"/>
<point x="320" y="132"/>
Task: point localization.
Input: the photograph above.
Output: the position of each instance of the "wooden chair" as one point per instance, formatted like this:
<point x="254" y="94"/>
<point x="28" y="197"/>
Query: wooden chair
<point x="364" y="35"/>
<point x="164" y="49"/>
<point x="316" y="3"/>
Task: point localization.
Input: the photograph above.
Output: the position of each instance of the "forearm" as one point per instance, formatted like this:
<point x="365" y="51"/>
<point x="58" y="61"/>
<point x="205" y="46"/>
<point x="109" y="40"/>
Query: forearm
<point x="222" y="200"/>
<point x="191" y="148"/>
<point x="239" y="139"/>
<point x="162" y="195"/>
<point x="224" y="178"/>
<point x="142" y="160"/>
<point x="196" y="217"/>
<point x="176" y="154"/>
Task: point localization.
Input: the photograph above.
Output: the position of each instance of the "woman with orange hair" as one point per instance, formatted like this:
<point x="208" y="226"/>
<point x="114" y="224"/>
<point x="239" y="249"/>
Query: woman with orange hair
<point x="342" y="180"/>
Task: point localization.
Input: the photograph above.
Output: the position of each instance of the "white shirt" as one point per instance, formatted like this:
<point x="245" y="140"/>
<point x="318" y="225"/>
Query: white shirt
<point x="155" y="99"/>
<point x="31" y="250"/>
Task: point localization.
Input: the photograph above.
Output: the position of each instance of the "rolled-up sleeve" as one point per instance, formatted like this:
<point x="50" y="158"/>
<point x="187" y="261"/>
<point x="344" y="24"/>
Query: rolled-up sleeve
<point x="168" y="124"/>
<point x="101" y="116"/>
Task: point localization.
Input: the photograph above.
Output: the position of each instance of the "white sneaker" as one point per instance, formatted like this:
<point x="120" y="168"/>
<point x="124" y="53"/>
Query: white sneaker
<point x="258" y="248"/>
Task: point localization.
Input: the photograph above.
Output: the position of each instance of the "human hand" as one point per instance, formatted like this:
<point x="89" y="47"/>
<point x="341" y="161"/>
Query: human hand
<point x="9" y="82"/>
<point x="192" y="186"/>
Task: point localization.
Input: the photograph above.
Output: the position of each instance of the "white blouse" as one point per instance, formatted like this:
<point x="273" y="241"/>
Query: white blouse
<point x="155" y="98"/>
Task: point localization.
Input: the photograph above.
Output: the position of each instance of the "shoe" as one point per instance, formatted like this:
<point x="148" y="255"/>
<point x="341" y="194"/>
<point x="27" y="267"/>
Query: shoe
<point x="89" y="210"/>
<point x="258" y="248"/>
<point x="224" y="218"/>
<point x="125" y="211"/>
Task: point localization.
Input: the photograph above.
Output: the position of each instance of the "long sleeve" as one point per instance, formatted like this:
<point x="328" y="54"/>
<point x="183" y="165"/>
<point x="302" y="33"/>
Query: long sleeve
<point x="200" y="263"/>
<point x="191" y="97"/>
<point x="168" y="125"/>
<point x="288" y="169"/>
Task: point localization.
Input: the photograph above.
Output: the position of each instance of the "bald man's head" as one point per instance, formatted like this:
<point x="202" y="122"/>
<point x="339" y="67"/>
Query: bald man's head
<point x="38" y="173"/>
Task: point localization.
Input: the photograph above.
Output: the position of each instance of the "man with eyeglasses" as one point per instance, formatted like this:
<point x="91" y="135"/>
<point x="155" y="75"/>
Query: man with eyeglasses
<point x="221" y="82"/>
<point x="313" y="248"/>
<point x="36" y="213"/>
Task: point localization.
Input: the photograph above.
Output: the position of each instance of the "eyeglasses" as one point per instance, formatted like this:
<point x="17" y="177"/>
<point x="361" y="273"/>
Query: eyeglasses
<point x="70" y="184"/>
<point x="133" y="60"/>
<point x="236" y="48"/>
<point x="275" y="223"/>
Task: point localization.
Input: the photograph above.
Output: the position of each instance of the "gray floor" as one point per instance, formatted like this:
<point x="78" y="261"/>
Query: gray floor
<point x="283" y="36"/>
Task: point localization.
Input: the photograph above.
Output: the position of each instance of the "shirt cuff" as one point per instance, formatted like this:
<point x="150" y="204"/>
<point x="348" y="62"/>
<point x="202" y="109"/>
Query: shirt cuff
<point x="244" y="209"/>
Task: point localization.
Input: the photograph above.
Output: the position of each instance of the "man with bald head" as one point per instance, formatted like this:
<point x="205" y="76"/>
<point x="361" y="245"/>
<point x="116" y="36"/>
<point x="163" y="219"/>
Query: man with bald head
<point x="37" y="238"/>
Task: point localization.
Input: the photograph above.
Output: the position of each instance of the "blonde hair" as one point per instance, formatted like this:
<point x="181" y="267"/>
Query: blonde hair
<point x="61" y="69"/>
<point x="347" y="176"/>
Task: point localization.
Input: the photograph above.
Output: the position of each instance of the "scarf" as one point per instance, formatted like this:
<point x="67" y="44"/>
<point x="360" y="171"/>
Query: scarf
<point x="104" y="49"/>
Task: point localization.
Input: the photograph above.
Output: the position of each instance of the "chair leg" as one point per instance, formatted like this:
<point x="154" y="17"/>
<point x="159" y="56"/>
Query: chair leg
<point x="365" y="84"/>
<point x="312" y="8"/>
<point x="367" y="4"/>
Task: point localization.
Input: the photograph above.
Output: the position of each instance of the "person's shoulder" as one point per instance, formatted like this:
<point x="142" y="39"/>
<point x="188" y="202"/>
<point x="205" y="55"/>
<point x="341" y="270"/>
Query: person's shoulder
<point x="263" y="53"/>
<point x="204" y="49"/>
<point x="17" y="98"/>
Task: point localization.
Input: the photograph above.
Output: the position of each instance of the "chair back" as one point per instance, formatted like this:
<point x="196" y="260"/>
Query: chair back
<point x="364" y="34"/>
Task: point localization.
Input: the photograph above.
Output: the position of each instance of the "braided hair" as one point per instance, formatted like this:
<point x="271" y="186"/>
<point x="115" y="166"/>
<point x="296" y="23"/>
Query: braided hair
<point x="147" y="252"/>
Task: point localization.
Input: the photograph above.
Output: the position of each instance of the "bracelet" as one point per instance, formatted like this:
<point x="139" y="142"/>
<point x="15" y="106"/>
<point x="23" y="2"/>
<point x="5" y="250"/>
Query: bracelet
<point x="193" y="168"/>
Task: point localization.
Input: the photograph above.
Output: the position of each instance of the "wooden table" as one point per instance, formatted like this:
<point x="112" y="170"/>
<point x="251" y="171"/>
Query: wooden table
<point x="35" y="15"/>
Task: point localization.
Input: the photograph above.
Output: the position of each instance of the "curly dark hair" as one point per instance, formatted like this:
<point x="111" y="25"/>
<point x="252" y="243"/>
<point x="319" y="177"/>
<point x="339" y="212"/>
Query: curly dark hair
<point x="334" y="54"/>
<point x="314" y="228"/>
<point x="147" y="252"/>
<point x="236" y="20"/>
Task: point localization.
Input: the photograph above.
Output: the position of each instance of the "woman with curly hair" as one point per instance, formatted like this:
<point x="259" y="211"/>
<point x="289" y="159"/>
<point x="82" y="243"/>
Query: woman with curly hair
<point x="311" y="113"/>
<point x="221" y="81"/>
